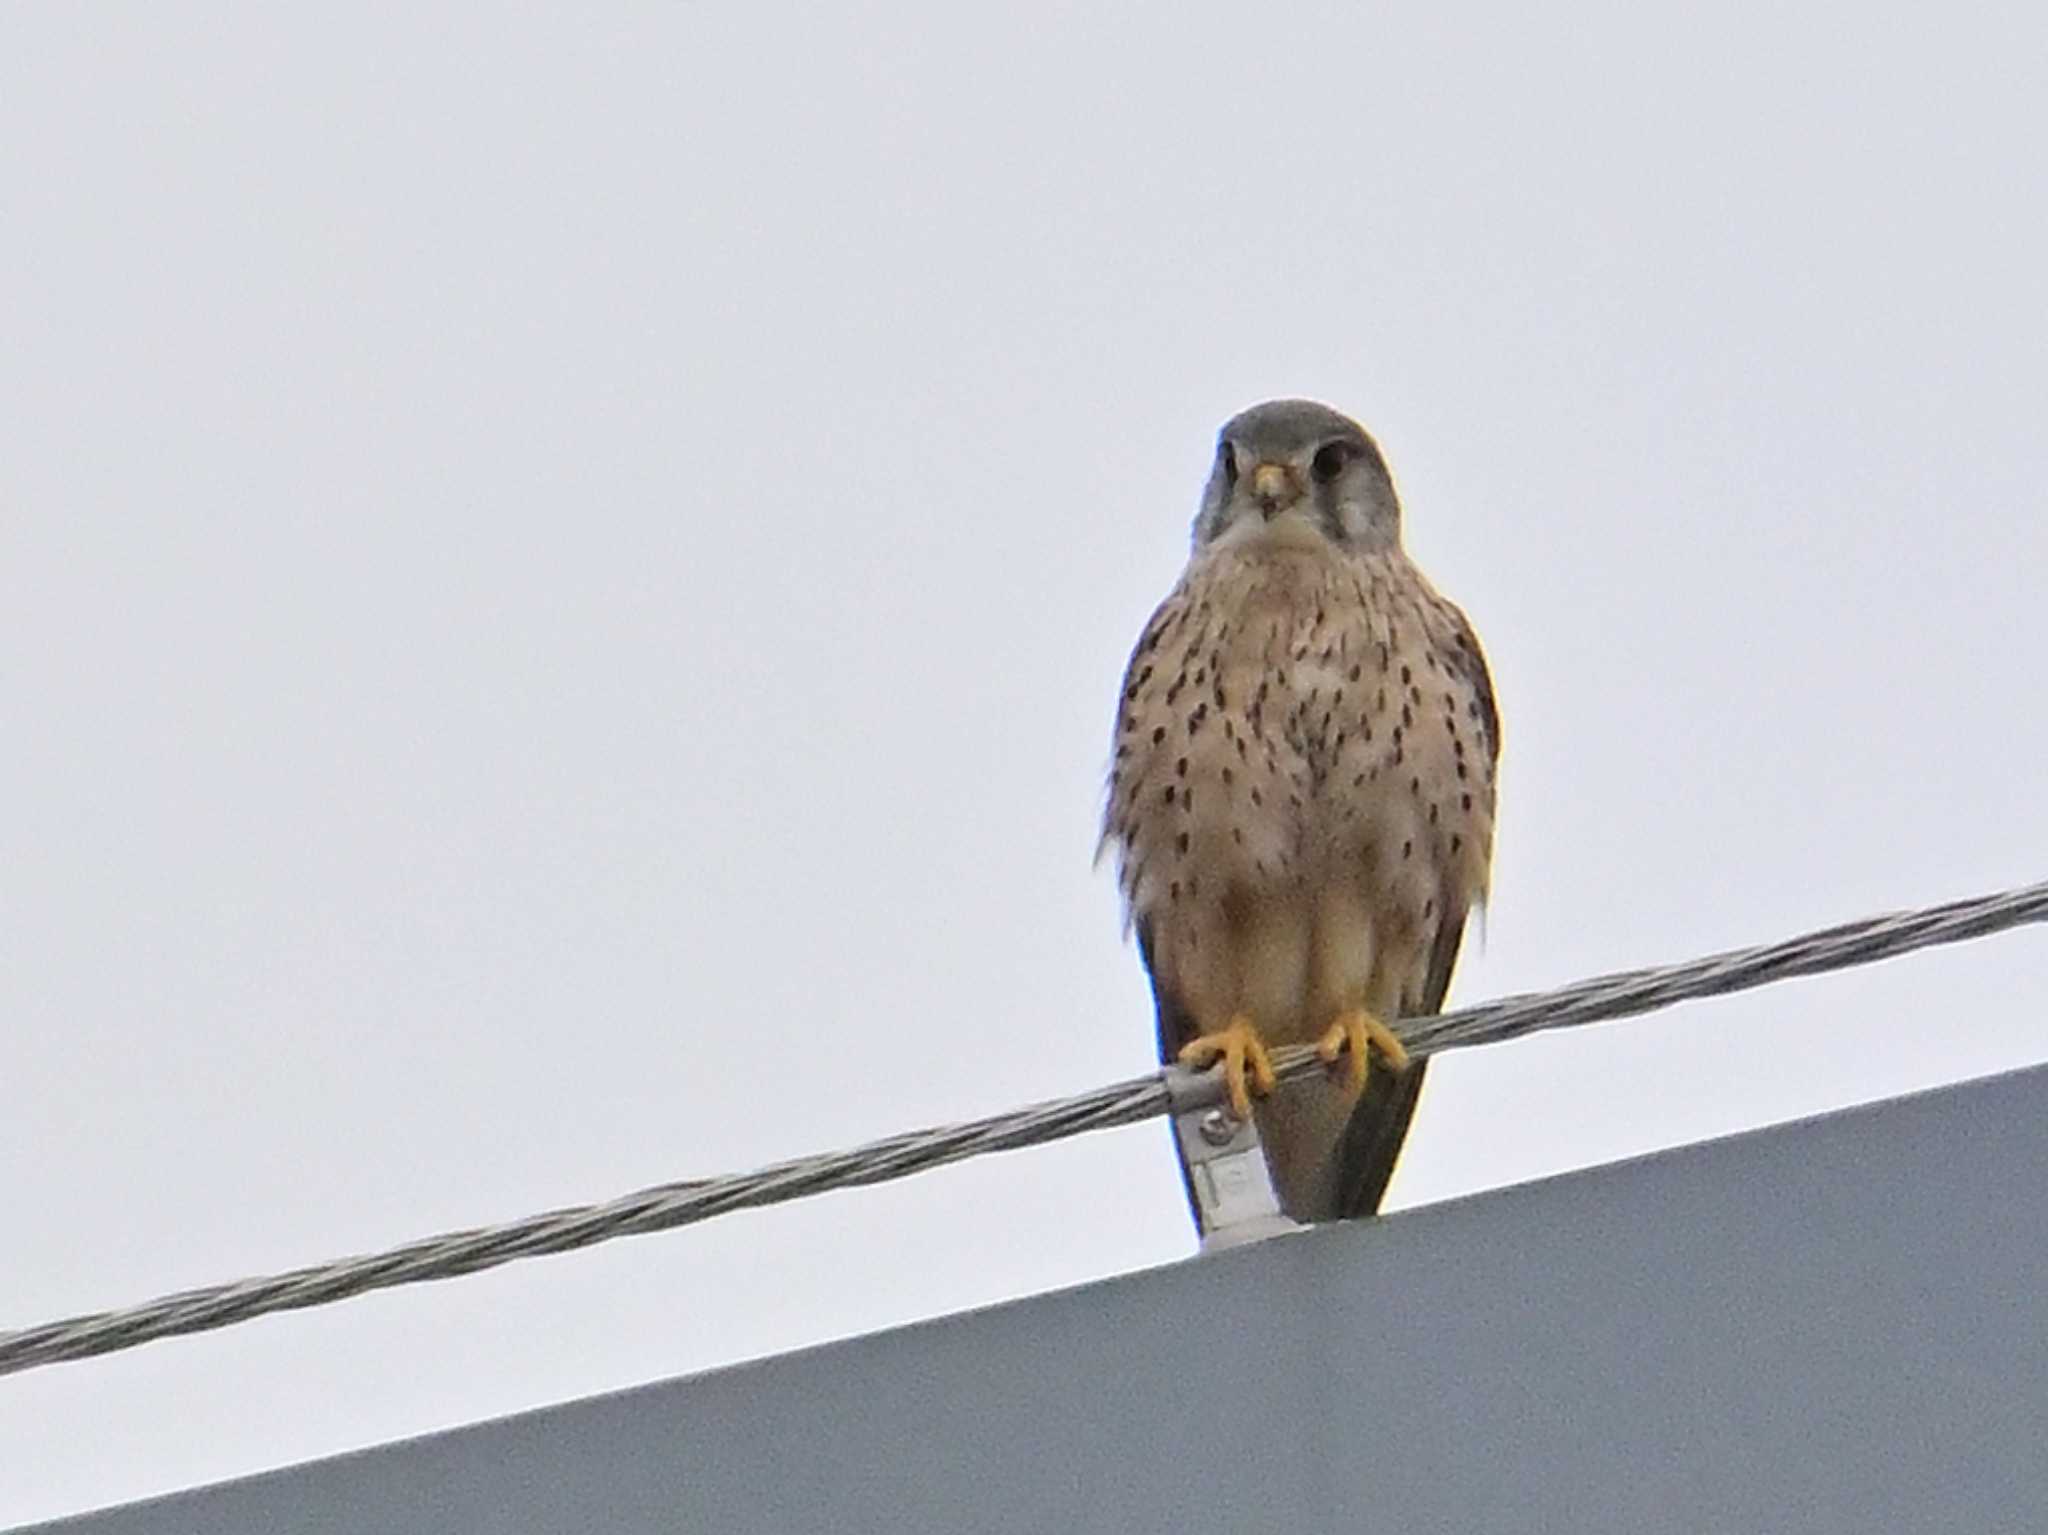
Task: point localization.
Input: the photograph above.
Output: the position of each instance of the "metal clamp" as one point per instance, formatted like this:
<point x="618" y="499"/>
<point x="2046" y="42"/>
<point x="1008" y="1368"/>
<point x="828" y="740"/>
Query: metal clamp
<point x="1224" y="1164"/>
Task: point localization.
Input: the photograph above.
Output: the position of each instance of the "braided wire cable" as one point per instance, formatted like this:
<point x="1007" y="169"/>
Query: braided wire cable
<point x="668" y="1205"/>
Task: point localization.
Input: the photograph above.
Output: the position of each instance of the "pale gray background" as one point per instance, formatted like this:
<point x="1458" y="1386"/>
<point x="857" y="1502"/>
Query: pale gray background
<point x="564" y="580"/>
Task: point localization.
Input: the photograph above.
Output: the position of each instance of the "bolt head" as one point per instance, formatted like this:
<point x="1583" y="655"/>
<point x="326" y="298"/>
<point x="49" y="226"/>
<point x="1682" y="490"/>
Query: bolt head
<point x="1217" y="1127"/>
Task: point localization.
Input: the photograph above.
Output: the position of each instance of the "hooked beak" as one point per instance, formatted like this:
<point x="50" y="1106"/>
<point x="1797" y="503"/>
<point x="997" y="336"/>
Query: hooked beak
<point x="1274" y="489"/>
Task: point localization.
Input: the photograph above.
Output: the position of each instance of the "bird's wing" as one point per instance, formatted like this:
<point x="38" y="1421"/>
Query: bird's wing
<point x="1176" y="1028"/>
<point x="1379" y="1124"/>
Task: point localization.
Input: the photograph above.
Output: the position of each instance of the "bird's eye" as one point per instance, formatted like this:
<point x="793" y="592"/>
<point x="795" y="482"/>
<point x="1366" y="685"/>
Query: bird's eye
<point x="1329" y="461"/>
<point x="1226" y="460"/>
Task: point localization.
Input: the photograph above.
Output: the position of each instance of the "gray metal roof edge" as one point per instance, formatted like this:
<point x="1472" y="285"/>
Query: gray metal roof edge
<point x="1417" y="1220"/>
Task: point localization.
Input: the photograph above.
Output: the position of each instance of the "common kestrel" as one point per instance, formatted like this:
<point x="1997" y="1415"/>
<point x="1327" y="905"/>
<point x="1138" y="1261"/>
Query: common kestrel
<point x="1302" y="796"/>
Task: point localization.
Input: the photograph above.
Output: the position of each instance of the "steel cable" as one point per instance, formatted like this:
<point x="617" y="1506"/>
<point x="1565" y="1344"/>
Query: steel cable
<point x="669" y="1205"/>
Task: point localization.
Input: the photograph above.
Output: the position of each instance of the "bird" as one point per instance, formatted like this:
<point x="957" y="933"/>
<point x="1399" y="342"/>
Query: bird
<point x="1301" y="798"/>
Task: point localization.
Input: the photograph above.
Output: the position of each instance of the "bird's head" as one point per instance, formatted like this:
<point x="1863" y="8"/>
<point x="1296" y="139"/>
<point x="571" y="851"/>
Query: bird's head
<point x="1293" y="469"/>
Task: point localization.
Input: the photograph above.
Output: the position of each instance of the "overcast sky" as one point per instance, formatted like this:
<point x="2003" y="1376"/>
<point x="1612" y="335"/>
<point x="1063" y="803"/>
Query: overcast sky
<point x="563" y="582"/>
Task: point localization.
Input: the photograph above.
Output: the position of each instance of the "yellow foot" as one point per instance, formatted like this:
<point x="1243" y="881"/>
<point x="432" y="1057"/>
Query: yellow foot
<point x="1349" y="1036"/>
<point x="1243" y="1054"/>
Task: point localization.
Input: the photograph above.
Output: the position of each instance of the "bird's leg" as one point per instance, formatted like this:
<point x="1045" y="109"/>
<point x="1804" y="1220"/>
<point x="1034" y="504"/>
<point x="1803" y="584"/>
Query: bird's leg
<point x="1243" y="1053"/>
<point x="1354" y="1029"/>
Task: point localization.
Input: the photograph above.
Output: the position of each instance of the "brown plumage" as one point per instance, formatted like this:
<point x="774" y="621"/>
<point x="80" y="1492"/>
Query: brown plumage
<point x="1303" y="789"/>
